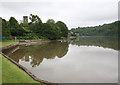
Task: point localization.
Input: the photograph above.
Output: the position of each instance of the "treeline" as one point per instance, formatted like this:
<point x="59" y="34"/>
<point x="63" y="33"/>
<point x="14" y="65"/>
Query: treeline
<point x="101" y="30"/>
<point x="35" y="29"/>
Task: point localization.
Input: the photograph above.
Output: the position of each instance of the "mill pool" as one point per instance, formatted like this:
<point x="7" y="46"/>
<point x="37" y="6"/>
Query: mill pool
<point x="81" y="60"/>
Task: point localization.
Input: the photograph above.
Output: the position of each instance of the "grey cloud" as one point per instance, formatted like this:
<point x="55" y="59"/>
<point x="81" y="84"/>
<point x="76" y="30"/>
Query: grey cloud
<point x="73" y="12"/>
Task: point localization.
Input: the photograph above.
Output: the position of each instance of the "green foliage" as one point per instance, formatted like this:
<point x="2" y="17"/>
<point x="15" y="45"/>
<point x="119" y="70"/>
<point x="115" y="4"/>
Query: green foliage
<point x="50" y="31"/>
<point x="31" y="36"/>
<point x="63" y="28"/>
<point x="25" y="24"/>
<point x="26" y="29"/>
<point x="15" y="28"/>
<point x="104" y="30"/>
<point x="13" y="23"/>
<point x="50" y="21"/>
<point x="5" y="29"/>
<point x="34" y="18"/>
<point x="35" y="29"/>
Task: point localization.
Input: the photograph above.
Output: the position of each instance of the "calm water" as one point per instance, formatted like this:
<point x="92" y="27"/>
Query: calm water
<point x="82" y="60"/>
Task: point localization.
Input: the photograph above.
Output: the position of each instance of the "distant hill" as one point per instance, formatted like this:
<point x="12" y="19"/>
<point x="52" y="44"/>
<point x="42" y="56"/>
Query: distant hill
<point x="101" y="30"/>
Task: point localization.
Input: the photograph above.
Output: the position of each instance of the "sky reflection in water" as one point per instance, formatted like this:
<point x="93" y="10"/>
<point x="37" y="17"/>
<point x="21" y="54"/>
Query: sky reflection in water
<point x="83" y="60"/>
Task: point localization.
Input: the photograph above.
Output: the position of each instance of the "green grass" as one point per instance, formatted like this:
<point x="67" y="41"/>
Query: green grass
<point x="6" y="43"/>
<point x="11" y="73"/>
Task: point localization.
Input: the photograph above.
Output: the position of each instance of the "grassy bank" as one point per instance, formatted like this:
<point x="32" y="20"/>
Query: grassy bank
<point x="6" y="43"/>
<point x="11" y="73"/>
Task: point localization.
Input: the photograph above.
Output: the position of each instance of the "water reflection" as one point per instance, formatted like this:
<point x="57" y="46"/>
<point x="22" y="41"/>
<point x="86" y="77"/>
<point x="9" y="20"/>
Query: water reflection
<point x="52" y="49"/>
<point x="37" y="52"/>
<point x="82" y="60"/>
<point x="106" y="42"/>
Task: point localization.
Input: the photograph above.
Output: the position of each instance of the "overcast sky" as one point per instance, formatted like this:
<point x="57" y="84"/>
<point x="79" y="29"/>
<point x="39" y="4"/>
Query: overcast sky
<point x="73" y="13"/>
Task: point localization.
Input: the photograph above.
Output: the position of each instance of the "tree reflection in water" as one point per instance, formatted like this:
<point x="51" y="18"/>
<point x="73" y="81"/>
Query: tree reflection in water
<point x="106" y="42"/>
<point x="86" y="59"/>
<point x="36" y="53"/>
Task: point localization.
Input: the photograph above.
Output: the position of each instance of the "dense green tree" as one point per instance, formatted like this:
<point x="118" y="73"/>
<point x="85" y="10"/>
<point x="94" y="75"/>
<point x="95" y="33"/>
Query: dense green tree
<point x="15" y="28"/>
<point x="63" y="28"/>
<point x="50" y="21"/>
<point x="36" y="25"/>
<point x="55" y="28"/>
<point x="50" y="32"/>
<point x="35" y="29"/>
<point x="5" y="29"/>
<point x="103" y="30"/>
<point x="13" y="23"/>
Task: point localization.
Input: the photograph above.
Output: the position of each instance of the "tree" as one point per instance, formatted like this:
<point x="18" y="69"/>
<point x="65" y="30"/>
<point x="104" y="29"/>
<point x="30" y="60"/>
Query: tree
<point x="5" y="29"/>
<point x="50" y="32"/>
<point x="50" y="21"/>
<point x="34" y="18"/>
<point x="101" y="30"/>
<point x="36" y="28"/>
<point x="35" y="25"/>
<point x="63" y="28"/>
<point x="15" y="28"/>
<point x="13" y="23"/>
<point x="55" y="29"/>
